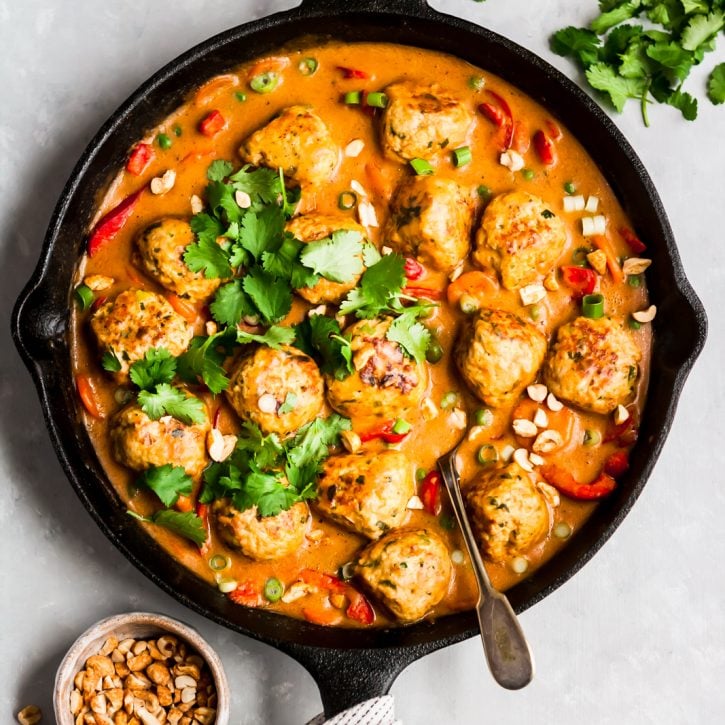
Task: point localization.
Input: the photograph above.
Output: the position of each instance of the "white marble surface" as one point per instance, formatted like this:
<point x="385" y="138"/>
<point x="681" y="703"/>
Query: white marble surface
<point x="637" y="637"/>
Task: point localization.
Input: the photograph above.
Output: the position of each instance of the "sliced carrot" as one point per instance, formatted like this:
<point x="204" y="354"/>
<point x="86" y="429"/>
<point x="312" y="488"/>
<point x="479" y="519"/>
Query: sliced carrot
<point x="476" y="284"/>
<point x="88" y="396"/>
<point x="183" y="307"/>
<point x="214" y="86"/>
<point x="613" y="265"/>
<point x="184" y="504"/>
<point x="320" y="613"/>
<point x="562" y="421"/>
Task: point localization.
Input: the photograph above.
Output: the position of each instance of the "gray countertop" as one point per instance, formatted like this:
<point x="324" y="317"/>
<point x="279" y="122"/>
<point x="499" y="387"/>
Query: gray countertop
<point x="637" y="636"/>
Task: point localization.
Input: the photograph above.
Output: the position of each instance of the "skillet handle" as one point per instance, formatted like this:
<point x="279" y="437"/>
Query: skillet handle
<point x="337" y="7"/>
<point x="36" y="329"/>
<point x="347" y="677"/>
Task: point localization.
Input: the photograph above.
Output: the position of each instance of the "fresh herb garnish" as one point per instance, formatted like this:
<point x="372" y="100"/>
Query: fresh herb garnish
<point x="337" y="258"/>
<point x="168" y="400"/>
<point x="186" y="524"/>
<point x="157" y="366"/>
<point x="167" y="482"/>
<point x="379" y="290"/>
<point x="203" y="361"/>
<point x="110" y="362"/>
<point x="411" y="335"/>
<point x="322" y="339"/>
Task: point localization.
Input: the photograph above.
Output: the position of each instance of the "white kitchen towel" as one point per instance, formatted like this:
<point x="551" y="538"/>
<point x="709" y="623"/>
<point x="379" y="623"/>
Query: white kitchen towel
<point x="378" y="711"/>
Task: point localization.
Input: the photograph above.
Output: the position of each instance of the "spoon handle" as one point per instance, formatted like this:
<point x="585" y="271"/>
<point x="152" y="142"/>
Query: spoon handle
<point x="507" y="652"/>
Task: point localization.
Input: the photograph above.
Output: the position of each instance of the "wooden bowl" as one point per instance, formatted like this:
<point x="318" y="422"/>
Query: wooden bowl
<point x="136" y="625"/>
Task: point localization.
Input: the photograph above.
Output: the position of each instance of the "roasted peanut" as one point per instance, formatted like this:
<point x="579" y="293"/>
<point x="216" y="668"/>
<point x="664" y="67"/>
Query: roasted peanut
<point x="29" y="715"/>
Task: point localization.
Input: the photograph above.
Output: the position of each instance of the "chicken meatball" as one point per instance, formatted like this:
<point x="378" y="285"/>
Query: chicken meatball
<point x="161" y="248"/>
<point x="139" y="442"/>
<point x="386" y="382"/>
<point x="520" y="237"/>
<point x="408" y="569"/>
<point x="498" y="355"/>
<point x="508" y="512"/>
<point x="299" y="142"/>
<point x="420" y="121"/>
<point x="593" y="364"/>
<point x="262" y="538"/>
<point x="430" y="219"/>
<point x="366" y="492"/>
<point x="268" y="379"/>
<point x="311" y="228"/>
<point x="135" y="322"/>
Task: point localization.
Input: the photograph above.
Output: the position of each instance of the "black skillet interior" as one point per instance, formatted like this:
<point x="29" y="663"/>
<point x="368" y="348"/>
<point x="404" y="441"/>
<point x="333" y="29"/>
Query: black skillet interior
<point x="349" y="666"/>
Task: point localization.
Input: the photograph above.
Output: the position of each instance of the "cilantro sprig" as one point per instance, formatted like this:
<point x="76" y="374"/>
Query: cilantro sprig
<point x="165" y="399"/>
<point x="186" y="524"/>
<point x="167" y="482"/>
<point x="626" y="61"/>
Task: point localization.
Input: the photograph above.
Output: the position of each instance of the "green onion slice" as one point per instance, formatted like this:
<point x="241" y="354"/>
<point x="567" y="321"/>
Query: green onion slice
<point x="273" y="589"/>
<point x="579" y="256"/>
<point x="633" y="324"/>
<point x="484" y="417"/>
<point x="421" y="167"/>
<point x="347" y="200"/>
<point x="401" y="426"/>
<point x="218" y="562"/>
<point x="164" y="141"/>
<point x="477" y="83"/>
<point x="376" y="99"/>
<point x="84" y="296"/>
<point x="265" y="82"/>
<point x="462" y="156"/>
<point x="353" y="98"/>
<point x="593" y="306"/>
<point x="484" y="192"/>
<point x="347" y="571"/>
<point x="308" y="66"/>
<point x="487" y="454"/>
<point x="592" y="437"/>
<point x="449" y="399"/>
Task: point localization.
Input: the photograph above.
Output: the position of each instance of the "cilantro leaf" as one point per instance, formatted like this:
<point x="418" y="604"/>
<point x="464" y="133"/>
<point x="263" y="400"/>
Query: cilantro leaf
<point x="673" y="57"/>
<point x="290" y="400"/>
<point x="167" y="482"/>
<point x="267" y="492"/>
<point x="380" y="286"/>
<point x="338" y="258"/>
<point x="604" y="78"/>
<point x="219" y="170"/>
<point x="202" y="361"/>
<point x="186" y="524"/>
<point x="157" y="366"/>
<point x="275" y="336"/>
<point x="271" y="296"/>
<point x="263" y="185"/>
<point x="261" y="231"/>
<point x="370" y="254"/>
<point x="716" y="84"/>
<point x="700" y="29"/>
<point x="208" y="256"/>
<point x="222" y="203"/>
<point x="255" y="450"/>
<point x="110" y="362"/>
<point x="322" y="339"/>
<point x="312" y="442"/>
<point x="616" y="15"/>
<point x="411" y="335"/>
<point x="231" y="303"/>
<point x="167" y="400"/>
<point x="577" y="42"/>
<point x="685" y="103"/>
<point x="207" y="228"/>
<point x="284" y="263"/>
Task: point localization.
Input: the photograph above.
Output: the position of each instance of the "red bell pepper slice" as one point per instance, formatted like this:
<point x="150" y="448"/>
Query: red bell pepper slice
<point x="247" y="594"/>
<point x="544" y="147"/>
<point x="625" y="433"/>
<point x="112" y="223"/>
<point x="616" y="464"/>
<point x="493" y="114"/>
<point x="352" y="72"/>
<point x="323" y="581"/>
<point x="430" y="493"/>
<point x="553" y="129"/>
<point x="501" y="115"/>
<point x="141" y="156"/>
<point x="580" y="279"/>
<point x="88" y="396"/>
<point x="413" y="269"/>
<point x="212" y="123"/>
<point x="359" y="609"/>
<point x="565" y="483"/>
<point x="431" y="294"/>
<point x="632" y="240"/>
<point x="383" y="432"/>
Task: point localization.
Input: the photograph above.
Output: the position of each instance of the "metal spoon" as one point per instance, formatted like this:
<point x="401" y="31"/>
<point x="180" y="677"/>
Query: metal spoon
<point x="504" y="643"/>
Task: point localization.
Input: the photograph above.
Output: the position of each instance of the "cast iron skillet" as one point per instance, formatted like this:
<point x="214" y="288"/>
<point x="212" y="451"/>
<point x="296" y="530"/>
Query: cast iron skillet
<point x="349" y="666"/>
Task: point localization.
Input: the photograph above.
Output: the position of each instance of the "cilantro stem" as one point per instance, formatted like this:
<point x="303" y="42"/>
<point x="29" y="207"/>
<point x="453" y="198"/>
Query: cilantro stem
<point x="643" y="104"/>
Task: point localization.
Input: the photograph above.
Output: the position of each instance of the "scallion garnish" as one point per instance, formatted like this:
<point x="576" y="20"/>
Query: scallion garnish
<point x="592" y="437"/>
<point x="421" y="167"/>
<point x="376" y="99"/>
<point x="484" y="192"/>
<point x="308" y="66"/>
<point x="84" y="296"/>
<point x="462" y="156"/>
<point x="401" y="426"/>
<point x="487" y="454"/>
<point x="265" y="82"/>
<point x="219" y="562"/>
<point x="477" y="83"/>
<point x="633" y="324"/>
<point x="484" y="417"/>
<point x="593" y="306"/>
<point x="347" y="200"/>
<point x="273" y="589"/>
<point x="353" y="98"/>
<point x="449" y="399"/>
<point x="579" y="256"/>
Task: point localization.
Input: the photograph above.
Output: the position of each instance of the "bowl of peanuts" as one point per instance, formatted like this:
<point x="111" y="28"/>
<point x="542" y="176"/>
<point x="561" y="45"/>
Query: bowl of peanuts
<point x="141" y="668"/>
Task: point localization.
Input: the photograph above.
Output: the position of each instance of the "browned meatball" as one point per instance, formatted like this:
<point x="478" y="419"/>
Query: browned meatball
<point x="421" y="121"/>
<point x="386" y="383"/>
<point x="311" y="228"/>
<point x="508" y="512"/>
<point x="520" y="237"/>
<point x="161" y="248"/>
<point x="135" y="322"/>
<point x="366" y="492"/>
<point x="298" y="142"/>
<point x="408" y="569"/>
<point x="430" y="218"/>
<point x="140" y="443"/>
<point x="498" y="355"/>
<point x="267" y="379"/>
<point x="262" y="537"/>
<point x="593" y="364"/>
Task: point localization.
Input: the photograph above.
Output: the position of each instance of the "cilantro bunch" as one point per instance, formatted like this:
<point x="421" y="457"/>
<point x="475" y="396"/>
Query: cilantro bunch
<point x="630" y="61"/>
